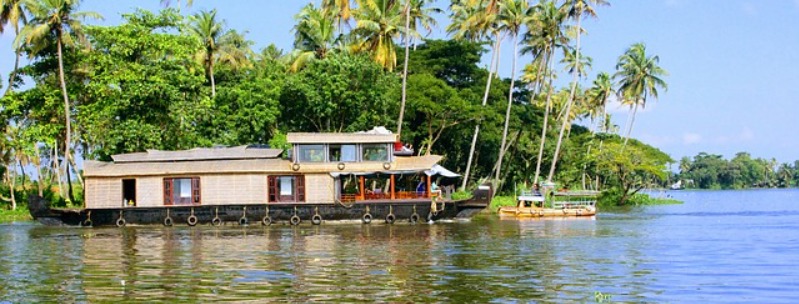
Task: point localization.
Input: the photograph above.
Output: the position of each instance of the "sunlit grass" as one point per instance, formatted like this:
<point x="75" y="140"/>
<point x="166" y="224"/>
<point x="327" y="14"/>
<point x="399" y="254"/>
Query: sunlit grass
<point x="21" y="214"/>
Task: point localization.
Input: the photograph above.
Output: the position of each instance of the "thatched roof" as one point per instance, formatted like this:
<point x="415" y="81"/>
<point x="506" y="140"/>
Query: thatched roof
<point x="109" y="169"/>
<point x="226" y="153"/>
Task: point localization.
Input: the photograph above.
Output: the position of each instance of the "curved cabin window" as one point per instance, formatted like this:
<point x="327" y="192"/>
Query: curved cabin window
<point x="343" y="153"/>
<point x="311" y="153"/>
<point x="182" y="191"/>
<point x="375" y="152"/>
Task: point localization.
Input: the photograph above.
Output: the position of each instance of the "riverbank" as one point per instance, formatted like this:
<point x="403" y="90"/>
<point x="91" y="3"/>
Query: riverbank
<point x="21" y="214"/>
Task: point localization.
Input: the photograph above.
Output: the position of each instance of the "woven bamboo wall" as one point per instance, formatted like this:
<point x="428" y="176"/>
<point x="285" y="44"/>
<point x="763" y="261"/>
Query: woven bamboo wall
<point x="103" y="193"/>
<point x="319" y="188"/>
<point x="233" y="189"/>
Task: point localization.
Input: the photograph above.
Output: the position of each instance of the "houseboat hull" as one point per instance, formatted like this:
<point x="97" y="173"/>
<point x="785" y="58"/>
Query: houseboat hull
<point x="396" y="211"/>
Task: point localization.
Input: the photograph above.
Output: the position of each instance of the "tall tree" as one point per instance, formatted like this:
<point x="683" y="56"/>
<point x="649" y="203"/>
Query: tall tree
<point x="314" y="36"/>
<point x="575" y="9"/>
<point x="12" y="12"/>
<point x="205" y="27"/>
<point x="546" y="35"/>
<point x="56" y="19"/>
<point x="474" y="20"/>
<point x="639" y="76"/>
<point x="415" y="11"/>
<point x="513" y="15"/>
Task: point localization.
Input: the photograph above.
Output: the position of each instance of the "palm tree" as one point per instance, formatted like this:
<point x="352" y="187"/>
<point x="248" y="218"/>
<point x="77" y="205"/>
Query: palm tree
<point x="378" y="23"/>
<point x="598" y="96"/>
<point x="546" y="35"/>
<point x="205" y="27"/>
<point x="314" y="36"/>
<point x="57" y="18"/>
<point x="341" y="10"/>
<point x="575" y="9"/>
<point x="13" y="12"/>
<point x="514" y="14"/>
<point x="639" y="76"/>
<point x="235" y="50"/>
<point x="473" y="20"/>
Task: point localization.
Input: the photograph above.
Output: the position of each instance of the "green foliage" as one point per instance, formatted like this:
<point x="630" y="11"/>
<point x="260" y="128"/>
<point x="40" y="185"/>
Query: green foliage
<point x="342" y="93"/>
<point x="710" y="171"/>
<point x="20" y="214"/>
<point x="146" y="90"/>
<point x="631" y="167"/>
<point x="502" y="201"/>
<point x="613" y="198"/>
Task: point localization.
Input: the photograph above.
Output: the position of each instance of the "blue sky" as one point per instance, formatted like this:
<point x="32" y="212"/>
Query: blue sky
<point x="733" y="83"/>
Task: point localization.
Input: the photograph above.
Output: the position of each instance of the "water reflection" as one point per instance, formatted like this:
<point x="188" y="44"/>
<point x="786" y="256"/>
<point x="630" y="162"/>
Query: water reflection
<point x="661" y="254"/>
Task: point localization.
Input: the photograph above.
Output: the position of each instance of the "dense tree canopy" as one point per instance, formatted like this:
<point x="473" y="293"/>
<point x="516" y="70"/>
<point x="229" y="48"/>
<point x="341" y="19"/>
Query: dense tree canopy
<point x="162" y="80"/>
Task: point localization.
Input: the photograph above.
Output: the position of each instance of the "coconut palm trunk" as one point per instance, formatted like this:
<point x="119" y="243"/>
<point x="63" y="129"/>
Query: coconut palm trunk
<point x="547" y="109"/>
<point x="18" y="54"/>
<point x="507" y="112"/>
<point x="67" y="114"/>
<point x="491" y="69"/>
<point x="632" y="121"/>
<point x="405" y="66"/>
<point x="567" y="115"/>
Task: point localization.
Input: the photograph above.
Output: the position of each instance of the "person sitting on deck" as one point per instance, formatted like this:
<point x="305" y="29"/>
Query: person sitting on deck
<point x="421" y="188"/>
<point x="435" y="190"/>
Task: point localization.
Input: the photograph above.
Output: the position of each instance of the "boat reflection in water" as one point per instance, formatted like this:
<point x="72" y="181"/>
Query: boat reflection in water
<point x="278" y="263"/>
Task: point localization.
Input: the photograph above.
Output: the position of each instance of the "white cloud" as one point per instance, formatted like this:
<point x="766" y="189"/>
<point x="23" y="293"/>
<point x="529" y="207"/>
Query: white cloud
<point x="745" y="135"/>
<point x="691" y="138"/>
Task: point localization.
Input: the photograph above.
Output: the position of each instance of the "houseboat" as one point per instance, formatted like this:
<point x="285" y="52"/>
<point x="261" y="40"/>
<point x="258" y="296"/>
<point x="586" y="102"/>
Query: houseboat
<point x="367" y="176"/>
<point x="550" y="203"/>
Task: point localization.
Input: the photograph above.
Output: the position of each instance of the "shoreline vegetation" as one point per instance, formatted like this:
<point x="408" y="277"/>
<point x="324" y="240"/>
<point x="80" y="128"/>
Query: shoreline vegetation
<point x="169" y="80"/>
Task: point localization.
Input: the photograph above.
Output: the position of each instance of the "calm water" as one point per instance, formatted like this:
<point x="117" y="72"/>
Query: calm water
<point x="735" y="246"/>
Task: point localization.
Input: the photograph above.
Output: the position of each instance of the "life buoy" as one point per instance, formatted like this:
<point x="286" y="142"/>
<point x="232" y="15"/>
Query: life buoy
<point x="121" y="222"/>
<point x="216" y="221"/>
<point x="192" y="220"/>
<point x="541" y="213"/>
<point x="168" y="221"/>
<point x="295" y="220"/>
<point x="243" y="221"/>
<point x="266" y="221"/>
<point x="341" y="166"/>
<point x="414" y="217"/>
<point x="295" y="167"/>
<point x="390" y="218"/>
<point x="387" y="165"/>
<point x="316" y="219"/>
<point x="367" y="218"/>
<point x="579" y="212"/>
<point x="88" y="221"/>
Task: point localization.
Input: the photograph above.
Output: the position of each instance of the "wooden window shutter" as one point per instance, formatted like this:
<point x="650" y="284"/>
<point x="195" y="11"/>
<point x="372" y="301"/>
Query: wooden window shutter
<point x="168" y="191"/>
<point x="195" y="190"/>
<point x="272" y="188"/>
<point x="300" y="181"/>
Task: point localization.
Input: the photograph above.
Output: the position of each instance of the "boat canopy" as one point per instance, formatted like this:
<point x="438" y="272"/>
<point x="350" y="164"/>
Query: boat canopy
<point x="435" y="170"/>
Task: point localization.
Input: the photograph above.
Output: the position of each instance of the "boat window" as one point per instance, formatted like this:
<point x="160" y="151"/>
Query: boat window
<point x="288" y="188"/>
<point x="182" y="191"/>
<point x="375" y="152"/>
<point x="129" y="193"/>
<point x="311" y="153"/>
<point x="343" y="153"/>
